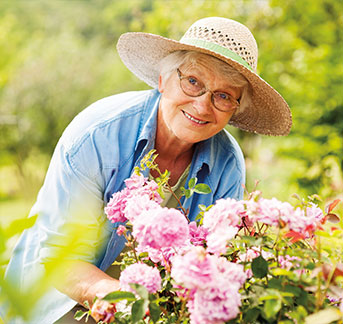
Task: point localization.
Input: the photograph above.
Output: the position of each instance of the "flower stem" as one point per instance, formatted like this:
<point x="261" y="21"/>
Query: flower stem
<point x="174" y="195"/>
<point x="183" y="307"/>
<point x="134" y="250"/>
<point x="178" y="201"/>
<point x="132" y="245"/>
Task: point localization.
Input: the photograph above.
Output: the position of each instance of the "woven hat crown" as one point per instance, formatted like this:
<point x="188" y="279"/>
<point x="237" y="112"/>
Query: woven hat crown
<point x="228" y="34"/>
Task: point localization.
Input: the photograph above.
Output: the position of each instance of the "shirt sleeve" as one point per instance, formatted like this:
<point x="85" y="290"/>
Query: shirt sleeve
<point x="232" y="179"/>
<point x="236" y="191"/>
<point x="70" y="207"/>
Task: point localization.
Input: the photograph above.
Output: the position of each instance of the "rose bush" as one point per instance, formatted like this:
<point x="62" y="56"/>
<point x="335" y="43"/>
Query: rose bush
<point x="251" y="261"/>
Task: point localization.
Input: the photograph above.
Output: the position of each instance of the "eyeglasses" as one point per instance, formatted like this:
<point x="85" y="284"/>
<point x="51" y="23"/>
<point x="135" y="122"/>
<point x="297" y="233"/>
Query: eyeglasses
<point x="193" y="87"/>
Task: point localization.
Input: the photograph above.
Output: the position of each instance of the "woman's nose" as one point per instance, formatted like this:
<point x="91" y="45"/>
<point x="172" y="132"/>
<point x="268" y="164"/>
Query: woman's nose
<point x="203" y="103"/>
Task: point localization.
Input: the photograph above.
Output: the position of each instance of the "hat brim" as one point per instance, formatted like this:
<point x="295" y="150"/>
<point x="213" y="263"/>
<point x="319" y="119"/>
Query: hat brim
<point x="269" y="113"/>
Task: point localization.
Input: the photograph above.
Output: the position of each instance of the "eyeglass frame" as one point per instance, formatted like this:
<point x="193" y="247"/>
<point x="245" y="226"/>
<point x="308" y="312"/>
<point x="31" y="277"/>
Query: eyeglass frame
<point x="204" y="90"/>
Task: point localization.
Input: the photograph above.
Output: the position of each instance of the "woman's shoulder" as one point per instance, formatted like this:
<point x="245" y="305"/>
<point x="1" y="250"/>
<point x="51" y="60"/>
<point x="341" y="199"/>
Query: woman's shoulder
<point x="229" y="147"/>
<point x="108" y="115"/>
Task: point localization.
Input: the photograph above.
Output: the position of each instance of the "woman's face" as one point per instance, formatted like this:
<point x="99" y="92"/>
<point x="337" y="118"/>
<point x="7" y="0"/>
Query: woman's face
<point x="193" y="119"/>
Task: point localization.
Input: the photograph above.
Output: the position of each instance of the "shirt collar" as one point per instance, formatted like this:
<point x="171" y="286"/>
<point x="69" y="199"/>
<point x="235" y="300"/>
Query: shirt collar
<point x="203" y="155"/>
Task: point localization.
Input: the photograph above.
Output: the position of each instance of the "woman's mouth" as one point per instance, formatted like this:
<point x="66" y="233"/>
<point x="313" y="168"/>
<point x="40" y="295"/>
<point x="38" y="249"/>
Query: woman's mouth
<point x="198" y="121"/>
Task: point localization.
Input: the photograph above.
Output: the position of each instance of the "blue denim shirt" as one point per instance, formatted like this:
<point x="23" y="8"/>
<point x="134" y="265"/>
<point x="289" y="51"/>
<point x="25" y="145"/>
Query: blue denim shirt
<point x="95" y="154"/>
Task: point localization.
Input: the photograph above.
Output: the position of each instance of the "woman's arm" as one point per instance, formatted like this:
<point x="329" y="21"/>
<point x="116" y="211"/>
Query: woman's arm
<point x="83" y="281"/>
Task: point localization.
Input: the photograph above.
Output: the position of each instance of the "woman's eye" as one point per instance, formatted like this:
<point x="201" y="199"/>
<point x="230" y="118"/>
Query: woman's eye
<point x="223" y="96"/>
<point x="193" y="81"/>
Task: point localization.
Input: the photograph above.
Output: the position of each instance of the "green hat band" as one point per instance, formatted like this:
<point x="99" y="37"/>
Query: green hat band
<point x="216" y="48"/>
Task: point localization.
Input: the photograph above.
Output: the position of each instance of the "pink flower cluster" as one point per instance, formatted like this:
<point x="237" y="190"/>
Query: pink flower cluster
<point x="162" y="228"/>
<point x="222" y="223"/>
<point x="136" y="186"/>
<point x="268" y="211"/>
<point x="158" y="231"/>
<point x="305" y="220"/>
<point x="274" y="212"/>
<point x="212" y="283"/>
<point x="198" y="234"/>
<point x="209" y="282"/>
<point x="288" y="262"/>
<point x="140" y="273"/>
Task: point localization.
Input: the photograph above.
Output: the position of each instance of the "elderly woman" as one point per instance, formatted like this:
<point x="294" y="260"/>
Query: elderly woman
<point x="202" y="83"/>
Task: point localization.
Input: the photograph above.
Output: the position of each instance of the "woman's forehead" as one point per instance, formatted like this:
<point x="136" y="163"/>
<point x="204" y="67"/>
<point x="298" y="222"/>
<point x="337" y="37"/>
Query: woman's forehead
<point x="208" y="71"/>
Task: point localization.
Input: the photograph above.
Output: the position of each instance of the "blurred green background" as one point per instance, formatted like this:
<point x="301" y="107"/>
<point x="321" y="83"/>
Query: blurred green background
<point x="57" y="57"/>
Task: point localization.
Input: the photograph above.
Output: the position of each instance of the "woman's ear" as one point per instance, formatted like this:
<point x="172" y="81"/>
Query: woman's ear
<point x="160" y="84"/>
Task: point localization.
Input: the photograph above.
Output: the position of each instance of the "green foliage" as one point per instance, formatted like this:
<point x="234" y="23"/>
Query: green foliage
<point x="53" y="65"/>
<point x="116" y="296"/>
<point x="300" y="49"/>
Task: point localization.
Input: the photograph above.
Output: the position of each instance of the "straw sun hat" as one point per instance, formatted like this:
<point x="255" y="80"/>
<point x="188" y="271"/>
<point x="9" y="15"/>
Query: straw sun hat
<point x="227" y="40"/>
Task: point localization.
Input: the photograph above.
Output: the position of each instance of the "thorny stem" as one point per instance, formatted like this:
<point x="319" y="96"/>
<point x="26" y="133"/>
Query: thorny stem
<point x="132" y="245"/>
<point x="258" y="228"/>
<point x="244" y="266"/>
<point x="134" y="250"/>
<point x="183" y="307"/>
<point x="154" y="166"/>
<point x="319" y="294"/>
<point x="245" y="226"/>
<point x="178" y="201"/>
<point x="274" y="245"/>
<point x="328" y="280"/>
<point x="167" y="265"/>
<point x="277" y="236"/>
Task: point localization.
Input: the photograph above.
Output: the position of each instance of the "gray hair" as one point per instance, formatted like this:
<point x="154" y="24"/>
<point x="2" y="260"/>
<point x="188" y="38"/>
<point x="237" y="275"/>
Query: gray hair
<point x="189" y="58"/>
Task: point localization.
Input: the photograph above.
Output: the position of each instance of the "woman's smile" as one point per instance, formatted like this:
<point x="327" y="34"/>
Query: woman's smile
<point x="193" y="119"/>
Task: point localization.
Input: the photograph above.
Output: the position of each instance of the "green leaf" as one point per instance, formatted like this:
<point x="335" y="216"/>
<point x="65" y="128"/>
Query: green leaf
<point x="140" y="290"/>
<point x="296" y="291"/>
<point x="155" y="312"/>
<point x="251" y="315"/>
<point x="138" y="310"/>
<point x="187" y="193"/>
<point x="275" y="283"/>
<point x="116" y="296"/>
<point x="298" y="314"/>
<point x="259" y="267"/>
<point x="192" y="182"/>
<point x="282" y="272"/>
<point x="303" y="298"/>
<point x="79" y="315"/>
<point x="198" y="217"/>
<point x="251" y="240"/>
<point x="271" y="307"/>
<point x="202" y="188"/>
<point x="202" y="207"/>
<point x="310" y="266"/>
<point x="86" y="303"/>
